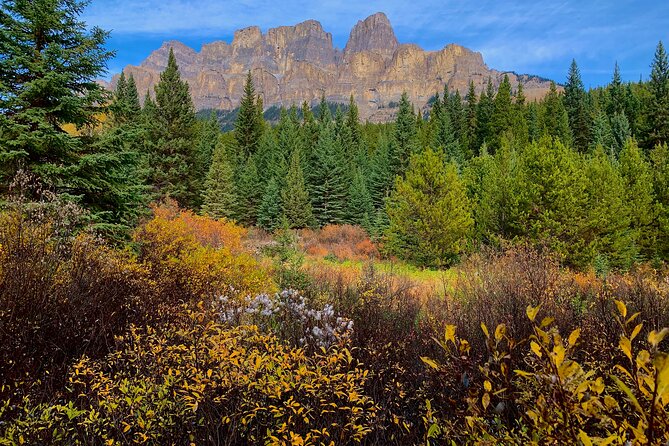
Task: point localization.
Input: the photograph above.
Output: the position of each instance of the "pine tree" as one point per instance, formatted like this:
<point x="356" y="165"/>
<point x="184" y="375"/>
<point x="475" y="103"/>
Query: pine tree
<point x="248" y="125"/>
<point x="659" y="102"/>
<point x="660" y="167"/>
<point x="575" y="105"/>
<point x="554" y="121"/>
<point x="607" y="232"/>
<point x="220" y="194"/>
<point x="616" y="92"/>
<point x="173" y="128"/>
<point x="329" y="179"/>
<point x="638" y="185"/>
<point x="499" y="205"/>
<point x="621" y="132"/>
<point x="484" y="113"/>
<point x="501" y="120"/>
<point x="381" y="179"/>
<point x="207" y="135"/>
<point x="269" y="212"/>
<point x="249" y="192"/>
<point x="429" y="212"/>
<point x="519" y="124"/>
<point x="601" y="134"/>
<point x="353" y="123"/>
<point x="360" y="209"/>
<point x="471" y="130"/>
<point x="294" y="196"/>
<point x="554" y="198"/>
<point x="49" y="64"/>
<point x="405" y="141"/>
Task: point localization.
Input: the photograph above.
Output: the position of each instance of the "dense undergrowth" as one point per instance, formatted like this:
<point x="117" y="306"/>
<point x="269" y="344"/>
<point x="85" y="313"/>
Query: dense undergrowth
<point x="184" y="338"/>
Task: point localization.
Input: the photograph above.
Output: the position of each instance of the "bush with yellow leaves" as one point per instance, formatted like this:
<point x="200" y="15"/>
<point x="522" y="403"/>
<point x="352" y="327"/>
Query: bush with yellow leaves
<point x="192" y="256"/>
<point x="559" y="395"/>
<point x="204" y="383"/>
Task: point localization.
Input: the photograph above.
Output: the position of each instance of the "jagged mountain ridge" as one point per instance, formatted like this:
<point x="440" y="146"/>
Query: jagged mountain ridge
<point x="292" y="64"/>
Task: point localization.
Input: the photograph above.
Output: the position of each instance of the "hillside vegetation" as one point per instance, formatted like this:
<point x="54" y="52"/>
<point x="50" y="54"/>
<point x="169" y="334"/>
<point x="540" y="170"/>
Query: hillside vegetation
<point x="491" y="272"/>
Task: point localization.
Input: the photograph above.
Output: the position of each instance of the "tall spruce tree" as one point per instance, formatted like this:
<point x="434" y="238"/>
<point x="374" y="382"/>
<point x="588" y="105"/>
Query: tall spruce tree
<point x="659" y="101"/>
<point x="248" y="126"/>
<point x="329" y="178"/>
<point x="471" y="130"/>
<point x="294" y="196"/>
<point x="553" y="118"/>
<point x="173" y="159"/>
<point x="575" y="104"/>
<point x="484" y="113"/>
<point x="360" y="209"/>
<point x="501" y="120"/>
<point x="269" y="212"/>
<point x="220" y="194"/>
<point x="405" y="137"/>
<point x="249" y="192"/>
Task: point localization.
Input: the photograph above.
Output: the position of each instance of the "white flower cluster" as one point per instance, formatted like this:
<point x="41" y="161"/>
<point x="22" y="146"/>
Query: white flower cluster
<point x="289" y="315"/>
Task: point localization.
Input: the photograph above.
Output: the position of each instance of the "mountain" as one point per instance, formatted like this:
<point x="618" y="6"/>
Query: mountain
<point x="292" y="64"/>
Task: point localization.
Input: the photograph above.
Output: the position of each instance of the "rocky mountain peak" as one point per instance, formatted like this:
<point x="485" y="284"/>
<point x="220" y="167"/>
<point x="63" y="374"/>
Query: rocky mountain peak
<point x="292" y="64"/>
<point x="374" y="34"/>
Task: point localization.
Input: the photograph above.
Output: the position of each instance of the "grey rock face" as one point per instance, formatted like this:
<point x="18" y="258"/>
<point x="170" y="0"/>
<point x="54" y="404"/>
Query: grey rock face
<point x="292" y="64"/>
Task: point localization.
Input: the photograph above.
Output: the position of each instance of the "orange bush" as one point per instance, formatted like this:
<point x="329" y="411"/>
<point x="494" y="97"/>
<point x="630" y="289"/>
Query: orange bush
<point x="192" y="256"/>
<point x="346" y="242"/>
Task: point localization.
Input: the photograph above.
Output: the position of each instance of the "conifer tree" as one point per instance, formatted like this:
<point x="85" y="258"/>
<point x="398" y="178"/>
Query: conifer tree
<point x="220" y="194"/>
<point x="353" y="123"/>
<point x="659" y="100"/>
<point x="601" y="134"/>
<point x="470" y="116"/>
<point x="48" y="66"/>
<point x="249" y="192"/>
<point x="360" y="209"/>
<point x="405" y="140"/>
<point x="519" y="121"/>
<point x="248" y="124"/>
<point x="173" y="127"/>
<point x="294" y="196"/>
<point x="607" y="232"/>
<point x="621" y="132"/>
<point x="269" y="212"/>
<point x="554" y="121"/>
<point x="500" y="205"/>
<point x="380" y="178"/>
<point x="329" y="180"/>
<point x="576" y="107"/>
<point x="429" y="212"/>
<point x="501" y="120"/>
<point x="484" y="113"/>
<point x="638" y="185"/>
<point x="207" y="136"/>
<point x="554" y="199"/>
<point x="457" y="116"/>
<point x="616" y="92"/>
<point x="660" y="167"/>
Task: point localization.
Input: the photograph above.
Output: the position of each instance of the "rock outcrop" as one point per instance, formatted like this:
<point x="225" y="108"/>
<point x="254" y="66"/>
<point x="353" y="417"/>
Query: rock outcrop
<point x="292" y="64"/>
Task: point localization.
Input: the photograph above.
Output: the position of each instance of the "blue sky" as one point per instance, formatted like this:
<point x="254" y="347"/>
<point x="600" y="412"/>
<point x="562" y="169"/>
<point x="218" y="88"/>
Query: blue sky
<point x="524" y="36"/>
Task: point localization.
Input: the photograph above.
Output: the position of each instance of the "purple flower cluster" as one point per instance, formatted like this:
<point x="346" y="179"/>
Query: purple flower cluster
<point x="288" y="314"/>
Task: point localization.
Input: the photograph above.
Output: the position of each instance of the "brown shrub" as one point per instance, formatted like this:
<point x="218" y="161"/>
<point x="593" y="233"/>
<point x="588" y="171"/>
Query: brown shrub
<point x="345" y="242"/>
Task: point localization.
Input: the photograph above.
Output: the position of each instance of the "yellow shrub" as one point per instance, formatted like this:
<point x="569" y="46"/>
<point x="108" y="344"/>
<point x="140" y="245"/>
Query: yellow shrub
<point x="193" y="256"/>
<point x="201" y="382"/>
